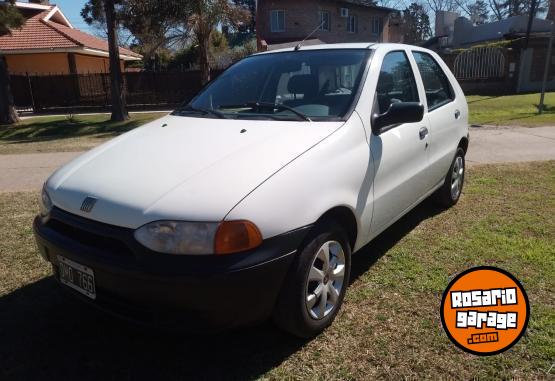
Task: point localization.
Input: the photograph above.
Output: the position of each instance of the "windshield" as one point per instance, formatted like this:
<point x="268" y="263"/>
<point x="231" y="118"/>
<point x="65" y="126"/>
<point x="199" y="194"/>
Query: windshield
<point x="300" y="85"/>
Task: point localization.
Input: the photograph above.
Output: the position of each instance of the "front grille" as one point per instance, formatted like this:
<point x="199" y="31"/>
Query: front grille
<point x="102" y="243"/>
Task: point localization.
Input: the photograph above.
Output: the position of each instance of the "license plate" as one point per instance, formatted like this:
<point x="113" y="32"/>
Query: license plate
<point x="77" y="276"/>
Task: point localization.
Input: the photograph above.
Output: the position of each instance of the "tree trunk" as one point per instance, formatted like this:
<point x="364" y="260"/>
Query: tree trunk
<point x="119" y="110"/>
<point x="203" y="42"/>
<point x="8" y="115"/>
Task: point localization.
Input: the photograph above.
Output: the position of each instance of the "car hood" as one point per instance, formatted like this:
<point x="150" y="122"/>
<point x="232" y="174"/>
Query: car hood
<point x="183" y="168"/>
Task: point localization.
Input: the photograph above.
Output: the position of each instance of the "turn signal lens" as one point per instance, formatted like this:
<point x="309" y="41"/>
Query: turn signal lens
<point x="236" y="236"/>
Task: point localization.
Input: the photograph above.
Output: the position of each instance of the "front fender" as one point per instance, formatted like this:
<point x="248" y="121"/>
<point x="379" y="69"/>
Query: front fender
<point x="336" y="172"/>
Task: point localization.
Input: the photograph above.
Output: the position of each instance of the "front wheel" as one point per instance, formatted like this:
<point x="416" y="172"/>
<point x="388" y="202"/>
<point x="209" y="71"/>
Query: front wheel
<point x="449" y="194"/>
<point x="315" y="286"/>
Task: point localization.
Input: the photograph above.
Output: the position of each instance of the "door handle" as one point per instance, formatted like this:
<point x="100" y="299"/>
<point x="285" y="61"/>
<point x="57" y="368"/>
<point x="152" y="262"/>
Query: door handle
<point x="423" y="132"/>
<point x="457" y="114"/>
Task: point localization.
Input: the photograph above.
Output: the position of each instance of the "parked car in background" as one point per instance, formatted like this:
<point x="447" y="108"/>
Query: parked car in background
<point x="248" y="202"/>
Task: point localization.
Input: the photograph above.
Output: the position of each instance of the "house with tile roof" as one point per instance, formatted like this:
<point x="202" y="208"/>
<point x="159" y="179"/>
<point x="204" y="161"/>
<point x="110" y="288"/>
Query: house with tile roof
<point x="48" y="44"/>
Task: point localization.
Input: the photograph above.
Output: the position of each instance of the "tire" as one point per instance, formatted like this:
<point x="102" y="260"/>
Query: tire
<point x="450" y="192"/>
<point x="293" y="313"/>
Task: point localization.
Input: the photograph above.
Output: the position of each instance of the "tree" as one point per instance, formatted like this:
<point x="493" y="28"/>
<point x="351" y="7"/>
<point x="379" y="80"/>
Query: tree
<point x="9" y="18"/>
<point x="119" y="110"/>
<point x="441" y="5"/>
<point x="478" y="12"/>
<point x="105" y="11"/>
<point x="250" y="5"/>
<point x="153" y="24"/>
<point x="416" y="24"/>
<point x="505" y="9"/>
<point x="182" y="21"/>
<point x="204" y="17"/>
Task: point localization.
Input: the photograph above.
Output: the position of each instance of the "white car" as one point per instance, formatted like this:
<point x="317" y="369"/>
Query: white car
<point x="247" y="202"/>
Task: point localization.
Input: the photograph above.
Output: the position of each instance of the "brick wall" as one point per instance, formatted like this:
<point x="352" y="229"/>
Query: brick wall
<point x="302" y="17"/>
<point x="551" y="10"/>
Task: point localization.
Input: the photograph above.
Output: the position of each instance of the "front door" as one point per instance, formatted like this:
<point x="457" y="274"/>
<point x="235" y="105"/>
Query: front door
<point x="400" y="154"/>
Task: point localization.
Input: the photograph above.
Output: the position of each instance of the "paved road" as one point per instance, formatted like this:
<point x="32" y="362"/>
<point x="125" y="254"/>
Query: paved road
<point x="487" y="145"/>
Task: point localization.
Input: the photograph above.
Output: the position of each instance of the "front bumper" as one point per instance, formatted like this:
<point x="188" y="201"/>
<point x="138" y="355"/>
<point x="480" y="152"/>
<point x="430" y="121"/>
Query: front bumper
<point x="204" y="292"/>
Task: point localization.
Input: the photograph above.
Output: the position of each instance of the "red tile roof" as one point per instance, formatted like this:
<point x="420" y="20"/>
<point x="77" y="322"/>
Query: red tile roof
<point x="87" y="40"/>
<point x="37" y="33"/>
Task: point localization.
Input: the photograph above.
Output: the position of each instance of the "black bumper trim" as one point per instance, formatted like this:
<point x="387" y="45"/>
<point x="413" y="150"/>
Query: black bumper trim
<point x="215" y="291"/>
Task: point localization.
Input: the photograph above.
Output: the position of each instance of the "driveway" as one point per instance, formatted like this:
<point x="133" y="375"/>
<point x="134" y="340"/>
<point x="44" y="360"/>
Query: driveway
<point x="488" y="145"/>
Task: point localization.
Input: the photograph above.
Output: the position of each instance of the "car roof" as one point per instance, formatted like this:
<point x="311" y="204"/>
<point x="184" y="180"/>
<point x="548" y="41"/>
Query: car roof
<point x="355" y="45"/>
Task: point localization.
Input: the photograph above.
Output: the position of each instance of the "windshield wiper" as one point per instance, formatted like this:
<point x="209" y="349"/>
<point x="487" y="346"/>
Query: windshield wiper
<point x="204" y="111"/>
<point x="258" y="105"/>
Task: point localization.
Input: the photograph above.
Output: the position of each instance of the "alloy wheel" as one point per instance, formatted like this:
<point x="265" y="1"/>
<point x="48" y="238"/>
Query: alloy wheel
<point x="325" y="280"/>
<point x="457" y="178"/>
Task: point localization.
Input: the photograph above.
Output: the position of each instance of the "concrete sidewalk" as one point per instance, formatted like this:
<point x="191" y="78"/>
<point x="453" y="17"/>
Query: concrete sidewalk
<point x="490" y="145"/>
<point x="29" y="171"/>
<point x="487" y="145"/>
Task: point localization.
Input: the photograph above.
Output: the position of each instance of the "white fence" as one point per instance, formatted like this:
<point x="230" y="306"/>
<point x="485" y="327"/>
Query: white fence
<point x="480" y="63"/>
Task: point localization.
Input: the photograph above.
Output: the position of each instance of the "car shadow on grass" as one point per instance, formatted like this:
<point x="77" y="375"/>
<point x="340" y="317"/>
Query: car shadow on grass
<point x="45" y="335"/>
<point x="368" y="255"/>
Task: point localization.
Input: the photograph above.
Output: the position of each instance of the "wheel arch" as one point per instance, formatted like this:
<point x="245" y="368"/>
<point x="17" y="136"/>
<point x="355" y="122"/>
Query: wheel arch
<point x="463" y="143"/>
<point x="346" y="218"/>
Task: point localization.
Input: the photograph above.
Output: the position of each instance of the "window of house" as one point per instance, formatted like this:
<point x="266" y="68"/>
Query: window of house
<point x="377" y="26"/>
<point x="277" y="21"/>
<point x="436" y="84"/>
<point x="352" y="24"/>
<point x="396" y="82"/>
<point x="325" y="20"/>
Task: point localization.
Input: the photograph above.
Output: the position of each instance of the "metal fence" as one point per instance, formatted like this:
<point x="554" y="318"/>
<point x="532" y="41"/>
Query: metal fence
<point x="92" y="91"/>
<point x="480" y="63"/>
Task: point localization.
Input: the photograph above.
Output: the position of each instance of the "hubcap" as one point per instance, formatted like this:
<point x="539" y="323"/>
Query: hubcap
<point x="325" y="280"/>
<point x="457" y="178"/>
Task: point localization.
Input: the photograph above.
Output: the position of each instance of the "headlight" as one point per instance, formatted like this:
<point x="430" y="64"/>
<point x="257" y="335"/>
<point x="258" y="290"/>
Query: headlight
<point x="200" y="238"/>
<point x="45" y="202"/>
<point x="173" y="237"/>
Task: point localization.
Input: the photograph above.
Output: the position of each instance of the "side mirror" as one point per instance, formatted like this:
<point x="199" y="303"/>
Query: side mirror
<point x="398" y="113"/>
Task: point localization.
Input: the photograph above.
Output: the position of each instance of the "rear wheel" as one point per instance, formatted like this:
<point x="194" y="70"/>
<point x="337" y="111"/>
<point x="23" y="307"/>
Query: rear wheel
<point x="315" y="286"/>
<point x="449" y="194"/>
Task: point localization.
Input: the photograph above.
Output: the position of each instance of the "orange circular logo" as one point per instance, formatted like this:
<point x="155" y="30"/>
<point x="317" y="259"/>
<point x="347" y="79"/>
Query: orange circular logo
<point x="485" y="310"/>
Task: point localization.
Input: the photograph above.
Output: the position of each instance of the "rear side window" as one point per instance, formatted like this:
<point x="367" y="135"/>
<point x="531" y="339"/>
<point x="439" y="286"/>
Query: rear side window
<point x="437" y="86"/>
<point x="396" y="82"/>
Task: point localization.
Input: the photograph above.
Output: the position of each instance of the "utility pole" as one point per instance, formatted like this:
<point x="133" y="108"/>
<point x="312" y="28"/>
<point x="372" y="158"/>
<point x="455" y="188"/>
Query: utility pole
<point x="530" y="21"/>
<point x="546" y="68"/>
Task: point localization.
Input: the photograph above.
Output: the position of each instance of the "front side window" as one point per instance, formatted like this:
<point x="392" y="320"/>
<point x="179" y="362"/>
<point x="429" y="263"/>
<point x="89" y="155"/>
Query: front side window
<point x="315" y="84"/>
<point x="396" y="82"/>
<point x="277" y="21"/>
<point x="436" y="84"/>
<point x="324" y="21"/>
<point x="352" y="24"/>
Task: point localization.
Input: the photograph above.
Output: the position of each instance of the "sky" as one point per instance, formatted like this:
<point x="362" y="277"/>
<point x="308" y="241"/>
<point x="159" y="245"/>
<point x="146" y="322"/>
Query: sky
<point x="72" y="10"/>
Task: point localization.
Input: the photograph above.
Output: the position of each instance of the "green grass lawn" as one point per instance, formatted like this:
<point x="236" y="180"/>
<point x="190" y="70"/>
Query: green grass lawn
<point x="389" y="327"/>
<point x="517" y="110"/>
<point x="61" y="133"/>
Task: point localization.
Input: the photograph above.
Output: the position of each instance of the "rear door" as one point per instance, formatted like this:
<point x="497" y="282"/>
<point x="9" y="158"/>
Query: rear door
<point x="400" y="154"/>
<point x="443" y="111"/>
